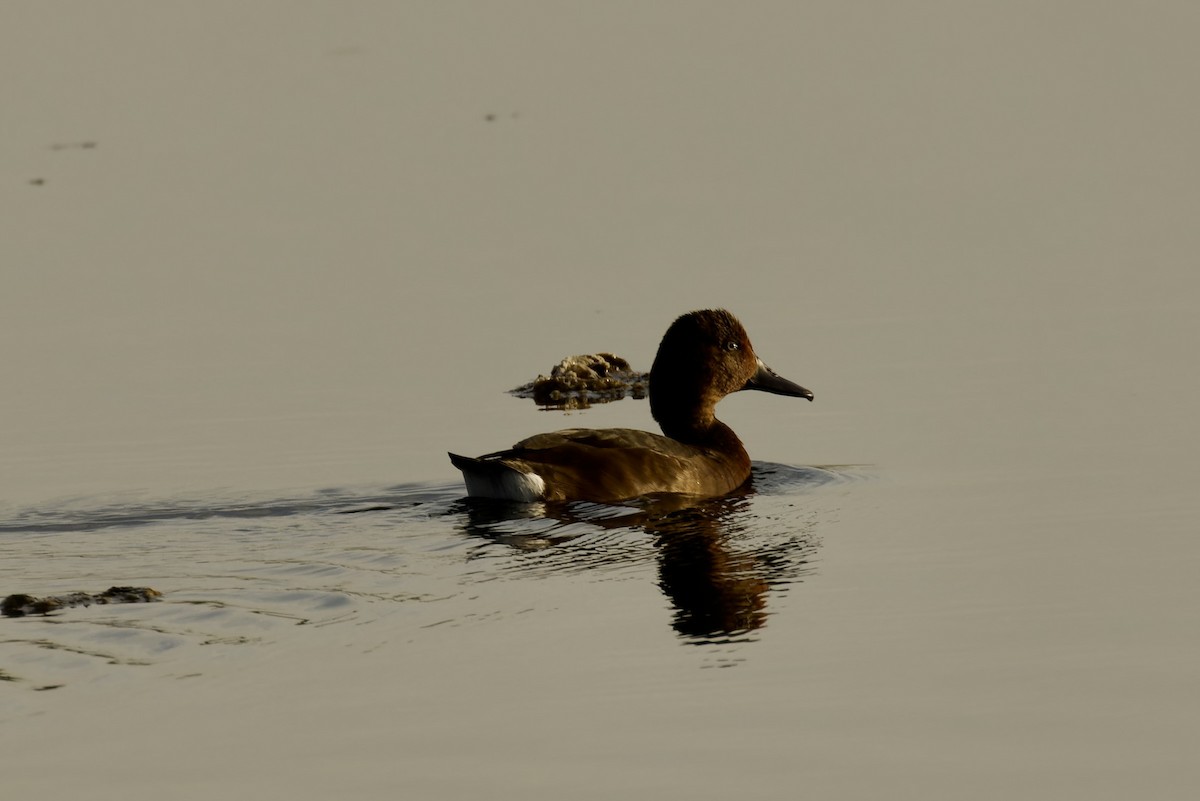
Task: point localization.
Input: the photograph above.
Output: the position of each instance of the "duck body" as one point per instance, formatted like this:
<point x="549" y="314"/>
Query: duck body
<point x="704" y="356"/>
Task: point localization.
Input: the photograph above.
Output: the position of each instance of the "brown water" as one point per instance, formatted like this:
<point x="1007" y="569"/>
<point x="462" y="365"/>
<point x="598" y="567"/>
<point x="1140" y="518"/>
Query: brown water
<point x="254" y="253"/>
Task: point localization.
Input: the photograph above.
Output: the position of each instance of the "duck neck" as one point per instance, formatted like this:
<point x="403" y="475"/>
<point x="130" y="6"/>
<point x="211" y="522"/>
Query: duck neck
<point x="694" y="428"/>
<point x="697" y="427"/>
<point x="683" y="400"/>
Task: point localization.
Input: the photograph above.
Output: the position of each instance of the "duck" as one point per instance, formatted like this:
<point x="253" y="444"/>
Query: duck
<point x="704" y="356"/>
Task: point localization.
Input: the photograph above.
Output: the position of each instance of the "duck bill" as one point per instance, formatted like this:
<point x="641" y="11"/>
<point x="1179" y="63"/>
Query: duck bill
<point x="767" y="380"/>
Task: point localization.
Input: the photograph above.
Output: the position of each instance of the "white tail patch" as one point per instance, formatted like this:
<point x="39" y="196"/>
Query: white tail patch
<point x="508" y="484"/>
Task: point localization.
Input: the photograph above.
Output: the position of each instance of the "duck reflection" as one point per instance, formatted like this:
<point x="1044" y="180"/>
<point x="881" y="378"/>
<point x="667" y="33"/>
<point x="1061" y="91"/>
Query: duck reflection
<point x="715" y="588"/>
<point x="716" y="557"/>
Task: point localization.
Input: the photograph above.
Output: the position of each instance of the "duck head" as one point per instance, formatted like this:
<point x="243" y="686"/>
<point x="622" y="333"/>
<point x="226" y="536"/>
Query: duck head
<point x="704" y="356"/>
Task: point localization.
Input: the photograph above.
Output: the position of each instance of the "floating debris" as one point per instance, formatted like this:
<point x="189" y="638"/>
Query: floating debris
<point x="579" y="381"/>
<point x="19" y="604"/>
<point x="73" y="146"/>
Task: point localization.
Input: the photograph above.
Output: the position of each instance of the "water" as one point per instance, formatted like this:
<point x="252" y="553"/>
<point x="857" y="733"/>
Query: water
<point x="314" y="248"/>
<point x="349" y="557"/>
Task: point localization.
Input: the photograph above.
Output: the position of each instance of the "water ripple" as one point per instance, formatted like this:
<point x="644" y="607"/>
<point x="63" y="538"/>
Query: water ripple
<point x="244" y="573"/>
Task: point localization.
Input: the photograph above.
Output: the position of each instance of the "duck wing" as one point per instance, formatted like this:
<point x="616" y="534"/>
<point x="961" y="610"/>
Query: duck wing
<point x="602" y="440"/>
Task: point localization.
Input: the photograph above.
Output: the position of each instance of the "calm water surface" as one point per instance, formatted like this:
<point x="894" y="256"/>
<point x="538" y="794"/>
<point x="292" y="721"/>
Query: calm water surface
<point x="246" y="258"/>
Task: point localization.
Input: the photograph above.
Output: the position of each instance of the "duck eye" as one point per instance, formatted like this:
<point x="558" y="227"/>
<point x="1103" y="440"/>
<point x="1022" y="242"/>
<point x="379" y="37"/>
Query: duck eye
<point x="731" y="345"/>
